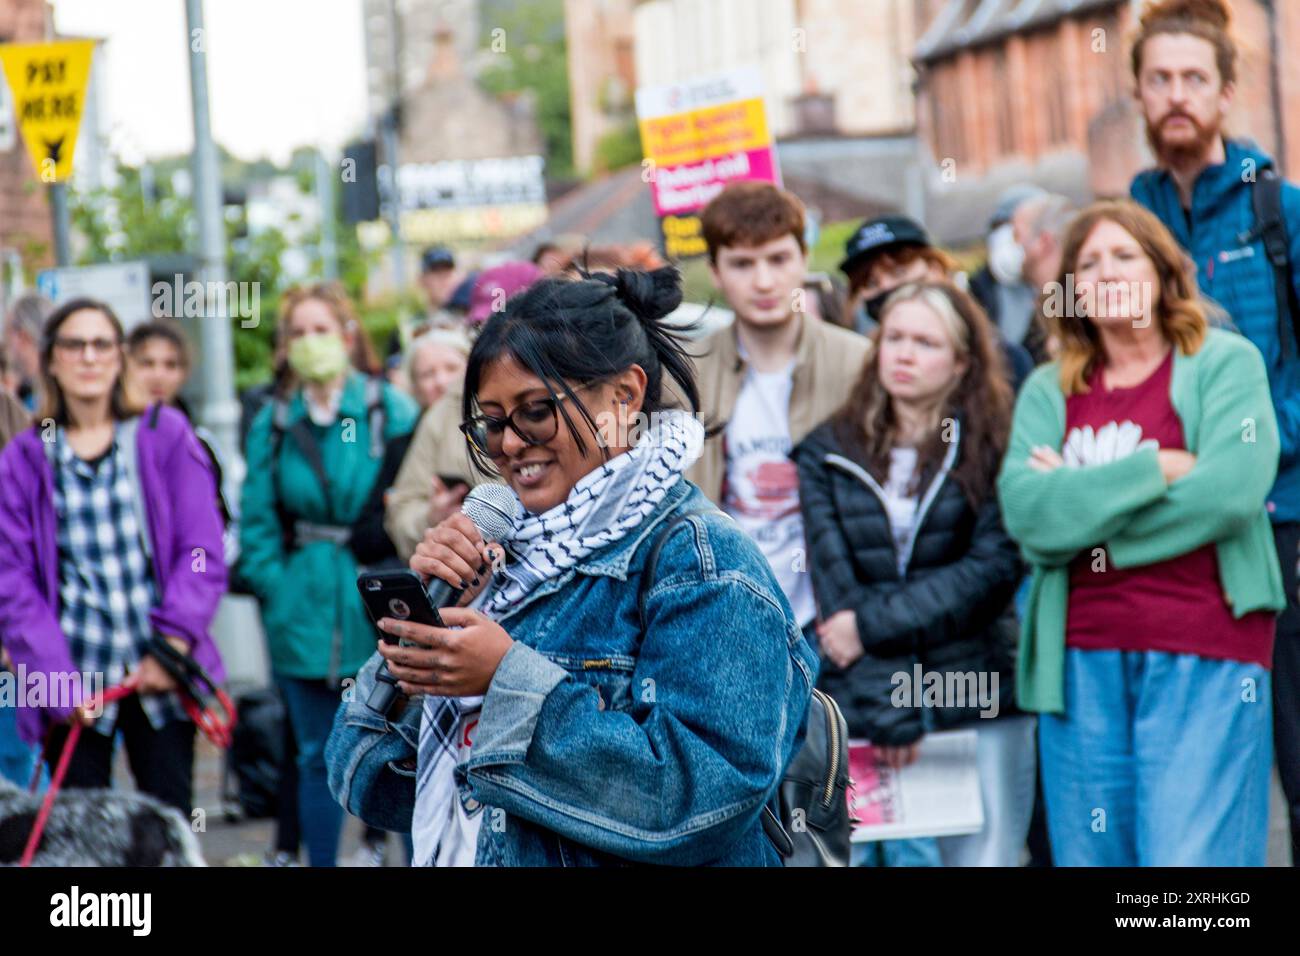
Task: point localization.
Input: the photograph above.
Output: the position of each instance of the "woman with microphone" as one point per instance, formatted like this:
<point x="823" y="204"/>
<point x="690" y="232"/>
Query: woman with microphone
<point x="619" y="714"/>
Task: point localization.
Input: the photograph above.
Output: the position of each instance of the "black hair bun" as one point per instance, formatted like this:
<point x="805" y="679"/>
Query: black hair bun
<point x="648" y="295"/>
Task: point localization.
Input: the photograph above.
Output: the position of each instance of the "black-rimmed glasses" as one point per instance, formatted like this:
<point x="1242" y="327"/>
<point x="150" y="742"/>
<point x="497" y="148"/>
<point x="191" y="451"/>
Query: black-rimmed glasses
<point x="535" y="422"/>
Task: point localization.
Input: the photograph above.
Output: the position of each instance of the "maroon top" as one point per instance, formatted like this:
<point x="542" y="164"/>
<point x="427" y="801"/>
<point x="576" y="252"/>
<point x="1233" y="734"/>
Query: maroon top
<point x="1176" y="605"/>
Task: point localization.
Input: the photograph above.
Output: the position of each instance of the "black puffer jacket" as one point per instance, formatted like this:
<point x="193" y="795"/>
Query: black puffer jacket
<point x="951" y="611"/>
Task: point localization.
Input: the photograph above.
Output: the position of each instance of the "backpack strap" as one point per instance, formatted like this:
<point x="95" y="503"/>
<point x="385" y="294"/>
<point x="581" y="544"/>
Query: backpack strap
<point x="1270" y="226"/>
<point x="648" y="573"/>
<point x="305" y="442"/>
<point x="219" y="473"/>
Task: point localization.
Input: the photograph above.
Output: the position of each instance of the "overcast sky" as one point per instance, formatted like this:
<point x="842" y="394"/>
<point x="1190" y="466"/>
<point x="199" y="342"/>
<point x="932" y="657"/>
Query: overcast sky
<point x="281" y="73"/>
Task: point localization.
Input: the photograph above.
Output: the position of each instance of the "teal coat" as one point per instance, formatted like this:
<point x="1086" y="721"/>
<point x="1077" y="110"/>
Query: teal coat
<point x="316" y="626"/>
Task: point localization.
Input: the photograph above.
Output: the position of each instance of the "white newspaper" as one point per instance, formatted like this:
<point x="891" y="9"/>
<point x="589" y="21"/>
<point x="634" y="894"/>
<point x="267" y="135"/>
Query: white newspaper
<point x="937" y="795"/>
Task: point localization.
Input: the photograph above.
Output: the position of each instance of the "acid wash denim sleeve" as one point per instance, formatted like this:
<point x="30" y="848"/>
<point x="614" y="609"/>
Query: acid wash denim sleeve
<point x="657" y="748"/>
<point x="370" y="761"/>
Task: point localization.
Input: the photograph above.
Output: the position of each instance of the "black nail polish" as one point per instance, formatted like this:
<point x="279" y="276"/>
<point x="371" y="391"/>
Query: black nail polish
<point x="463" y="584"/>
<point x="476" y="582"/>
<point x="482" y="567"/>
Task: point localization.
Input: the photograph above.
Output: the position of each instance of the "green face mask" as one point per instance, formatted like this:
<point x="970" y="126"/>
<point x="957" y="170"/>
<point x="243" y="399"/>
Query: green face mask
<point x="318" y="358"/>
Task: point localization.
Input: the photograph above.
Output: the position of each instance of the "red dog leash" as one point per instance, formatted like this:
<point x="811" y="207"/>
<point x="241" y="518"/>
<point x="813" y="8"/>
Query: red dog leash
<point x="125" y="689"/>
<point x="188" y="675"/>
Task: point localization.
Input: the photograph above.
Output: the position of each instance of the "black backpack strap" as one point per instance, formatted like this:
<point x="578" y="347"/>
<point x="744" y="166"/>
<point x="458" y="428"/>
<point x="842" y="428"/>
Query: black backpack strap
<point x="303" y="440"/>
<point x="1270" y="226"/>
<point x="306" y="444"/>
<point x="648" y="572"/>
<point x="219" y="473"/>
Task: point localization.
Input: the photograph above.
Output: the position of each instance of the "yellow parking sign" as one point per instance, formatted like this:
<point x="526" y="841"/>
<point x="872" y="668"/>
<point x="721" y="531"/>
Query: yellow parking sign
<point x="48" y="83"/>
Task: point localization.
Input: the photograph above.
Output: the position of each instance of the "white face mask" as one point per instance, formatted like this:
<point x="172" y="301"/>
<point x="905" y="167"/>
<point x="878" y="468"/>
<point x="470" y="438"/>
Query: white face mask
<point x="1006" y="257"/>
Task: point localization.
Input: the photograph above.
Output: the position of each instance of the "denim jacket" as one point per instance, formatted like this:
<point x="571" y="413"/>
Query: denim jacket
<point x="600" y="745"/>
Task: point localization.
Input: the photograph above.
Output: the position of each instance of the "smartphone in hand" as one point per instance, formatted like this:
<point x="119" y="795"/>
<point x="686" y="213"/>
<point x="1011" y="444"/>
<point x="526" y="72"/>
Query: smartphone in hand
<point x="397" y="594"/>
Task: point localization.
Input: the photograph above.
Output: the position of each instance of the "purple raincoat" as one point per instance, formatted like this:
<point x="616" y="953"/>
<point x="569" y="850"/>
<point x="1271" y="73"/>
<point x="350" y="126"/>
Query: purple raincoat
<point x="180" y="498"/>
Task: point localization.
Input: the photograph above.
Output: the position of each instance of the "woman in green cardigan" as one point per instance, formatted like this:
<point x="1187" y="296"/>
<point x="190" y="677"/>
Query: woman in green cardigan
<point x="1135" y="484"/>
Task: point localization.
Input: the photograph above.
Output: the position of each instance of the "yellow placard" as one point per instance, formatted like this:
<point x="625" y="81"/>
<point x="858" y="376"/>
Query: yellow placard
<point x="48" y="83"/>
<point x="683" y="236"/>
<point x="704" y="133"/>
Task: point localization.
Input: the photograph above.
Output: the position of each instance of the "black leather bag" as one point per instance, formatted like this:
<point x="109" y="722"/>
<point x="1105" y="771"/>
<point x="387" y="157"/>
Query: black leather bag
<point x="812" y="826"/>
<point x="807" y="819"/>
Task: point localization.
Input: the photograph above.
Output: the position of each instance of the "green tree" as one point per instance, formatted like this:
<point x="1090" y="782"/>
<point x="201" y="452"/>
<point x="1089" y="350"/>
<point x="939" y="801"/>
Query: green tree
<point x="527" y="44"/>
<point x="618" y="148"/>
<point x="121" y="224"/>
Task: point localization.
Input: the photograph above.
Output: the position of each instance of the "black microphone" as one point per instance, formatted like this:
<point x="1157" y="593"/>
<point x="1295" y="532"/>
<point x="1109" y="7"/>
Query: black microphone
<point x="493" y="509"/>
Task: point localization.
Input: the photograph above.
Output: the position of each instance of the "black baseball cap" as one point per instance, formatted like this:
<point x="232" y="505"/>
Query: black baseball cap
<point x="437" y="257"/>
<point x="880" y="234"/>
<point x="460" y="298"/>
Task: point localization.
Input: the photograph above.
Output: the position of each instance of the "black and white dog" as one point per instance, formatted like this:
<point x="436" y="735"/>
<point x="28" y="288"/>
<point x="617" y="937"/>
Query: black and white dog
<point x="96" y="828"/>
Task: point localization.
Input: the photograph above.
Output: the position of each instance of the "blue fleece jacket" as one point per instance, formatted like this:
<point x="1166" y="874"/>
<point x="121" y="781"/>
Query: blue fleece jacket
<point x="1238" y="275"/>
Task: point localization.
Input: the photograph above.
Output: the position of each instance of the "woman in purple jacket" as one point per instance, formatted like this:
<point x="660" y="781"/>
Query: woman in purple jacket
<point x="109" y="535"/>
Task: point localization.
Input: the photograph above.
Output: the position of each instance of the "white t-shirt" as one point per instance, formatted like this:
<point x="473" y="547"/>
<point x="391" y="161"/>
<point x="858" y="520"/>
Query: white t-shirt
<point x="900" y="505"/>
<point x="459" y="840"/>
<point x="762" y="485"/>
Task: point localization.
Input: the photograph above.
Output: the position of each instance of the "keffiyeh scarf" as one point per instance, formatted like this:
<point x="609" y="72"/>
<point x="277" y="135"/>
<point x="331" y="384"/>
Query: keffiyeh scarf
<point x="603" y="506"/>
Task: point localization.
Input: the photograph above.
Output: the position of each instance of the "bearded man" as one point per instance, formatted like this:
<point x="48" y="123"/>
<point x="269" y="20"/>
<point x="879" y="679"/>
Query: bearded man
<point x="1213" y="193"/>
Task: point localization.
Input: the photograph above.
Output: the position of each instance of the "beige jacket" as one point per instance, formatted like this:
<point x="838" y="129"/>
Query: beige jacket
<point x="13" y="417"/>
<point x="437" y="448"/>
<point x="828" y="362"/>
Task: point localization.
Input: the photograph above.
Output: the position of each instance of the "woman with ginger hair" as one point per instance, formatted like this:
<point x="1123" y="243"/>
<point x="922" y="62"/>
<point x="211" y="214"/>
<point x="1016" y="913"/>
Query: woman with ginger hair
<point x="1135" y="484"/>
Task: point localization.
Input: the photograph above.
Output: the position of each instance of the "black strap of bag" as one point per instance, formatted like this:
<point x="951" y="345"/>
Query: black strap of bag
<point x="1270" y="226"/>
<point x="815" y="781"/>
<point x="303" y="439"/>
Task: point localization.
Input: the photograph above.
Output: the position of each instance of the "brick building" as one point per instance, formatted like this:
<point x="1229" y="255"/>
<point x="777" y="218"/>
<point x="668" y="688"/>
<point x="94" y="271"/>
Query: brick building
<point x="417" y="23"/>
<point x="829" y="66"/>
<point x="449" y="116"/>
<point x="1041" y="90"/>
<point x="602" y="72"/>
<point x="837" y="84"/>
<point x="25" y="226"/>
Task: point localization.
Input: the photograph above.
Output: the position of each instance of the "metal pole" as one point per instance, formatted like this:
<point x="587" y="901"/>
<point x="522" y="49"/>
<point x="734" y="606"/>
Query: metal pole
<point x="59" y="191"/>
<point x="216" y="366"/>
<point x="329" y="251"/>
<point x="391" y="123"/>
<point x="393" y="206"/>
<point x="62" y="224"/>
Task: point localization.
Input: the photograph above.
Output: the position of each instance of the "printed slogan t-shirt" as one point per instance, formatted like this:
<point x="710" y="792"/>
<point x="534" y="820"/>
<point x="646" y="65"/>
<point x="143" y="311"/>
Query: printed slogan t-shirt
<point x="761" y="491"/>
<point x="1177" y="605"/>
